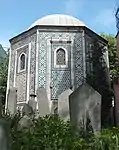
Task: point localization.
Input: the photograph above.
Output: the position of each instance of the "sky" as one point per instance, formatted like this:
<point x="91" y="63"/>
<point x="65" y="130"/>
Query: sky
<point x="17" y="15"/>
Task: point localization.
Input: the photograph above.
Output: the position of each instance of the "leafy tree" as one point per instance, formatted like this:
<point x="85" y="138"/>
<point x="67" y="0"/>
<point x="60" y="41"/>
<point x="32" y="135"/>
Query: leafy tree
<point x="113" y="61"/>
<point x="2" y="52"/>
<point x="3" y="78"/>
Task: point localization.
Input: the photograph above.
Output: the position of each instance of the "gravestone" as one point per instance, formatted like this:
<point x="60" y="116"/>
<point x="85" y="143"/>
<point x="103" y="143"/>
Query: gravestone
<point x="27" y="110"/>
<point x="43" y="104"/>
<point x="1" y="105"/>
<point x="12" y="100"/>
<point x="32" y="102"/>
<point x="4" y="135"/>
<point x="54" y="108"/>
<point x="63" y="105"/>
<point x="1" y="102"/>
<point x="25" y="121"/>
<point x="28" y="114"/>
<point x="85" y="100"/>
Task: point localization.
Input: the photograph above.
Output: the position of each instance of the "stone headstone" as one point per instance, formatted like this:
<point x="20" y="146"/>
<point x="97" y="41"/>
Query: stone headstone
<point x="82" y="101"/>
<point x="1" y="105"/>
<point x="32" y="102"/>
<point x="43" y="104"/>
<point x="54" y="108"/>
<point x="27" y="110"/>
<point x="1" y="101"/>
<point x="12" y="100"/>
<point x="25" y="121"/>
<point x="63" y="105"/>
<point x="4" y="135"/>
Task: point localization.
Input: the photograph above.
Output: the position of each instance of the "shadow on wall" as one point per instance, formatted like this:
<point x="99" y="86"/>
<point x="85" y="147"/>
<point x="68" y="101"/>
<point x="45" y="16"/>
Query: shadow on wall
<point x="100" y="81"/>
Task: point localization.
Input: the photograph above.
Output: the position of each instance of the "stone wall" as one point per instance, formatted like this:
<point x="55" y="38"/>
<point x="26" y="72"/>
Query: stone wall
<point x="88" y="53"/>
<point x="116" y="103"/>
<point x="97" y="68"/>
<point x="24" y="43"/>
<point x="60" y="79"/>
<point x="90" y="42"/>
<point x="42" y="44"/>
<point x="21" y="77"/>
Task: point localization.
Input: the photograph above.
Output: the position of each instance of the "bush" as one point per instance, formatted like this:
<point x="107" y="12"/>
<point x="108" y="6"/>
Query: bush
<point x="51" y="133"/>
<point x="48" y="133"/>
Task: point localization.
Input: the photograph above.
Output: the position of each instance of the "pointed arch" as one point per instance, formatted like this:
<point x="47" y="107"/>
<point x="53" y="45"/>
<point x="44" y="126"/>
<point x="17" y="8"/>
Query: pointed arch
<point x="60" y="58"/>
<point x="22" y="62"/>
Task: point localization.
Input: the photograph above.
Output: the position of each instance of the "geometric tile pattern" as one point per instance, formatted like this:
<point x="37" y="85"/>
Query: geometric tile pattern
<point x="60" y="78"/>
<point x="21" y="77"/>
<point x="67" y="47"/>
<point x="21" y="82"/>
<point x="88" y="54"/>
<point x="60" y="57"/>
<point x="12" y="68"/>
<point x="33" y="63"/>
<point x="24" y="49"/>
<point x="89" y="51"/>
<point x="42" y="65"/>
<point x="61" y="81"/>
<point x="78" y="59"/>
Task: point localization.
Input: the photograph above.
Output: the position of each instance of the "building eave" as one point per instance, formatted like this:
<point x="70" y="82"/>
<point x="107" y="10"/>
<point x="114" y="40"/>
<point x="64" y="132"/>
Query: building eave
<point x="97" y="35"/>
<point x="59" y="27"/>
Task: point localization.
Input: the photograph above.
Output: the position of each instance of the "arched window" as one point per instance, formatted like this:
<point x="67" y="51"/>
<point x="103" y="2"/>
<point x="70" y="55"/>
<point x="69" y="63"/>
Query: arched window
<point x="60" y="57"/>
<point x="22" y="62"/>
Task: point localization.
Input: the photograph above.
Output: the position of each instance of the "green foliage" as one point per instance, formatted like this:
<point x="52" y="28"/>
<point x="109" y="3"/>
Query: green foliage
<point x="2" y="52"/>
<point x="113" y="61"/>
<point x="3" y="77"/>
<point x="48" y="133"/>
<point x="51" y="133"/>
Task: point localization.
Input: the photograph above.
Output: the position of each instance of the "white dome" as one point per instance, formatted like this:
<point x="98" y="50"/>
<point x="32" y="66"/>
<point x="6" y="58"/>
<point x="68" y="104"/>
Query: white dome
<point x="58" y="20"/>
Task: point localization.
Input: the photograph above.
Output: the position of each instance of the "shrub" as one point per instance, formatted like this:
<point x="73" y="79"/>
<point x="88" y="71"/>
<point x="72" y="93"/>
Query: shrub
<point x="51" y="133"/>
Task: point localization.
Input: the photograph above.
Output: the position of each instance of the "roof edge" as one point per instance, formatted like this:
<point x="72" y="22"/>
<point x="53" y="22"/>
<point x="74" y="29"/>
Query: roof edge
<point x="37" y="27"/>
<point x="101" y="38"/>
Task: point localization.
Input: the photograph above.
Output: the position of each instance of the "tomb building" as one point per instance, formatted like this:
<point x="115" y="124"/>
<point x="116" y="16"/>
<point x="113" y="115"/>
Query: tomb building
<point x="53" y="53"/>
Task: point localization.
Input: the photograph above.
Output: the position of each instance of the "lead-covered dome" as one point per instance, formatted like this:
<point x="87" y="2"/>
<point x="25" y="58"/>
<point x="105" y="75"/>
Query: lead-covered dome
<point x="58" y="20"/>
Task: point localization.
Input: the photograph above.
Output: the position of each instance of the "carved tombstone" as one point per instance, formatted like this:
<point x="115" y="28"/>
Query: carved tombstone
<point x="63" y="104"/>
<point x="25" y="121"/>
<point x="54" y="107"/>
<point x="4" y="135"/>
<point x="1" y="102"/>
<point x="28" y="113"/>
<point x="27" y="110"/>
<point x="12" y="100"/>
<point x="43" y="104"/>
<point x="32" y="102"/>
<point x="85" y="100"/>
<point x="1" y="105"/>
